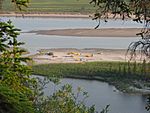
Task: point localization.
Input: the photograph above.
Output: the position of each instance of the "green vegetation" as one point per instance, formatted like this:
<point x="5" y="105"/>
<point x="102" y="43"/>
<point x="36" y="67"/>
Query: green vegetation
<point x="53" y="6"/>
<point x="121" y="74"/>
<point x="12" y="72"/>
<point x="14" y="102"/>
<point x="65" y="101"/>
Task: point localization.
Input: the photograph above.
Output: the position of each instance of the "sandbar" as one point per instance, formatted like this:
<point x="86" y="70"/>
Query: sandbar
<point x="102" y="32"/>
<point x="72" y="55"/>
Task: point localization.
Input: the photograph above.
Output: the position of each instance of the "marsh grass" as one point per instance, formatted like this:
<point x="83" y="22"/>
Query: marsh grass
<point x="121" y="74"/>
<point x="123" y="69"/>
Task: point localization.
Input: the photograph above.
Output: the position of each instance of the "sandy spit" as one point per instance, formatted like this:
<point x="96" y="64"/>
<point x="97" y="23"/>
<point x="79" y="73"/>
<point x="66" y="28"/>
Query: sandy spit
<point x="104" y="32"/>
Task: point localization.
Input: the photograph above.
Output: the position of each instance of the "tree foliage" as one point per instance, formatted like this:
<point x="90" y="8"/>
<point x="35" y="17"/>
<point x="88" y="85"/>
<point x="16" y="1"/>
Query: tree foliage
<point x="13" y="72"/>
<point x="14" y="102"/>
<point x="66" y="101"/>
<point x="16" y="87"/>
<point x="137" y="9"/>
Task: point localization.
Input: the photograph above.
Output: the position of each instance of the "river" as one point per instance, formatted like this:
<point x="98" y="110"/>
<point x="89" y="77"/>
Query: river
<point x="100" y="93"/>
<point x="35" y="42"/>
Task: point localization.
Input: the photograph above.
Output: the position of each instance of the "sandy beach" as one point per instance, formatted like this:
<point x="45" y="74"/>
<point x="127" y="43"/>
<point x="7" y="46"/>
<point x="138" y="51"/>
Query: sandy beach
<point x="104" y="32"/>
<point x="72" y="55"/>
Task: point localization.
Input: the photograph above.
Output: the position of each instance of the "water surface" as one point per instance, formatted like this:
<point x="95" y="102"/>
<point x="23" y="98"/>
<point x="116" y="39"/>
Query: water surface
<point x="31" y="23"/>
<point x="35" y="42"/>
<point x="102" y="94"/>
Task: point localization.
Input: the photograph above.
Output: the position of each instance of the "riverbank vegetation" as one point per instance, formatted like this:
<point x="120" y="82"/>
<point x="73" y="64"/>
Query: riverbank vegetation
<point x="124" y="75"/>
<point x="53" y="6"/>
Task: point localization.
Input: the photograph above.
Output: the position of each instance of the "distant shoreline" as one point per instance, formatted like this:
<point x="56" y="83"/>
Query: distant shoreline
<point x="44" y="15"/>
<point x="55" y="15"/>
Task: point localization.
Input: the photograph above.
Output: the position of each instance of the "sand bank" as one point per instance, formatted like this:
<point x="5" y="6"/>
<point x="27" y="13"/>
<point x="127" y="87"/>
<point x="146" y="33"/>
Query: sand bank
<point x="104" y="32"/>
<point x="69" y="55"/>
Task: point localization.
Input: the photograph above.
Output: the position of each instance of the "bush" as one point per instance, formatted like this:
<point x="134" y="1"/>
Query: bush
<point x="14" y="102"/>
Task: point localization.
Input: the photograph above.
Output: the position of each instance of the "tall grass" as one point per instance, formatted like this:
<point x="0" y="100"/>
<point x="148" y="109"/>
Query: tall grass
<point x="89" y="69"/>
<point x="120" y="74"/>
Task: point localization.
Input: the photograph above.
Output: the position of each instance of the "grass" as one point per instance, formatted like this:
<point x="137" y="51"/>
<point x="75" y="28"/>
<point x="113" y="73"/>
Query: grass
<point x="121" y="74"/>
<point x="54" y="6"/>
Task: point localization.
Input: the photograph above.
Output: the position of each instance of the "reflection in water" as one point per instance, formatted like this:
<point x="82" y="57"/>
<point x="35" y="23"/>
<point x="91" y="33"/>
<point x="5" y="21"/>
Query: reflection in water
<point x="102" y="94"/>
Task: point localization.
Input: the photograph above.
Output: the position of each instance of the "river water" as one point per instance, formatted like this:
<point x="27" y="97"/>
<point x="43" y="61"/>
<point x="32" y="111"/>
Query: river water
<point x="35" y="42"/>
<point x="100" y="93"/>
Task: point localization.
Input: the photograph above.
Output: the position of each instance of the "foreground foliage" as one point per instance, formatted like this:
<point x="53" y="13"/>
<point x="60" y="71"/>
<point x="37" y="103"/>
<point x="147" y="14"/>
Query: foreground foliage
<point x="14" y="102"/>
<point x="66" y="101"/>
<point x="12" y="71"/>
